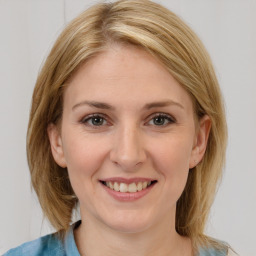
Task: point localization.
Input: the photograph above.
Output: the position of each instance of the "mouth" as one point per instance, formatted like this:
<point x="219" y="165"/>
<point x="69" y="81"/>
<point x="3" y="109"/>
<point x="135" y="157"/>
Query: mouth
<point x="128" y="187"/>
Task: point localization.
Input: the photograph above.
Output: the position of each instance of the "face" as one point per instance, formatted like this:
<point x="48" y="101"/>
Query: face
<point x="128" y="139"/>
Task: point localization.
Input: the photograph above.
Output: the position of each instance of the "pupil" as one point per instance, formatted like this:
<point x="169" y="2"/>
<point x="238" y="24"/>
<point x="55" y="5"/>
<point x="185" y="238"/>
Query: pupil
<point x="159" y="120"/>
<point x="97" y="121"/>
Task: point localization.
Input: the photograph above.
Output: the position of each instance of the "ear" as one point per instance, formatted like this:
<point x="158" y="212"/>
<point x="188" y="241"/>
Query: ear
<point x="56" y="145"/>
<point x="200" y="142"/>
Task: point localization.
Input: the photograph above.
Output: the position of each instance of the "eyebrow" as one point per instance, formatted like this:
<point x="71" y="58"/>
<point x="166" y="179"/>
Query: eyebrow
<point x="102" y="105"/>
<point x="94" y="104"/>
<point x="163" y="104"/>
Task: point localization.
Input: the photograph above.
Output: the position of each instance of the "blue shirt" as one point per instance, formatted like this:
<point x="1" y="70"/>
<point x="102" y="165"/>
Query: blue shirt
<point x="50" y="245"/>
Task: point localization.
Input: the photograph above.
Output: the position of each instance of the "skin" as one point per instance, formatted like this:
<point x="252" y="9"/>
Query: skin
<point x="128" y="142"/>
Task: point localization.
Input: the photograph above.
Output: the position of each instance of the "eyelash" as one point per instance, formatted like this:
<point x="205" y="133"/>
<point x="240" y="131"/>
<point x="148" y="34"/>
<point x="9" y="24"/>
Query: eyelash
<point x="86" y="120"/>
<point x="90" y="117"/>
<point x="167" y="117"/>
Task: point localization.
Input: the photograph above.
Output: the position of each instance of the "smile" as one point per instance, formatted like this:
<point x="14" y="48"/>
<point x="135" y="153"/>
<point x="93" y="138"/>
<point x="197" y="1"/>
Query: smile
<point x="128" y="188"/>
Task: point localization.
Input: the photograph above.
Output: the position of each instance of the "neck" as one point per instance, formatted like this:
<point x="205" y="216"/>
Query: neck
<point x="93" y="238"/>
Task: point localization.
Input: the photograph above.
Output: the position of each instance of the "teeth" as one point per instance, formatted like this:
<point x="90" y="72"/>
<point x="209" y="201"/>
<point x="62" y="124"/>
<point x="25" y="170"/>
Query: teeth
<point x="144" y="184"/>
<point x="116" y="186"/>
<point x="139" y="186"/>
<point x="131" y="188"/>
<point x="111" y="185"/>
<point x="123" y="187"/>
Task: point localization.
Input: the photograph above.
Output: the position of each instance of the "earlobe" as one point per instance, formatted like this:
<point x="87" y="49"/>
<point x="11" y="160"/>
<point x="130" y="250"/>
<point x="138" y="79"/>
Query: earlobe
<point x="56" y="145"/>
<point x="201" y="140"/>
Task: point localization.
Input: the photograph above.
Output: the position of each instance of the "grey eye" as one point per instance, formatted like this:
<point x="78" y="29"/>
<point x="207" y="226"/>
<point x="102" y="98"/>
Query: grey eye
<point x="97" y="121"/>
<point x="161" y="120"/>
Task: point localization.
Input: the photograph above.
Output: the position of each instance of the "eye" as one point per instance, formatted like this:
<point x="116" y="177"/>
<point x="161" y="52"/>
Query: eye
<point x="94" y="120"/>
<point x="161" y="120"/>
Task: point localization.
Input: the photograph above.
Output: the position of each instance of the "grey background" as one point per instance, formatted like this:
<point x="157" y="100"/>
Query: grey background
<point x="228" y="29"/>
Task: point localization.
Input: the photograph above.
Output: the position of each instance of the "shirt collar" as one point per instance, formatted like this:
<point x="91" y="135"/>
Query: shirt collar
<point x="70" y="244"/>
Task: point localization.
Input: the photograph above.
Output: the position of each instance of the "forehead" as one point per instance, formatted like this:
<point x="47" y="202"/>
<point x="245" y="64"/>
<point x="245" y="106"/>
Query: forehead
<point x="125" y="73"/>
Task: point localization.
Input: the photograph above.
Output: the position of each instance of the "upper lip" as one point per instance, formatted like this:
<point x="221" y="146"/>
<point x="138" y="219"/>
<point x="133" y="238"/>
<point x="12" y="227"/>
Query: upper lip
<point x="127" y="180"/>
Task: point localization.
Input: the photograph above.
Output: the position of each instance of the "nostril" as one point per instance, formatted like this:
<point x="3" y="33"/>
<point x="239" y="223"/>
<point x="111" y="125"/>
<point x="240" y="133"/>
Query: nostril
<point x="127" y="154"/>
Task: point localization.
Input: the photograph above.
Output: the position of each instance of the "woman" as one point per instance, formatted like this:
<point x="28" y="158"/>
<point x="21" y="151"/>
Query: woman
<point x="127" y="120"/>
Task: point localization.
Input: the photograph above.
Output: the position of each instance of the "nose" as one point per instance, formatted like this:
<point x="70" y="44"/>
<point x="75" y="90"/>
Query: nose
<point x="128" y="150"/>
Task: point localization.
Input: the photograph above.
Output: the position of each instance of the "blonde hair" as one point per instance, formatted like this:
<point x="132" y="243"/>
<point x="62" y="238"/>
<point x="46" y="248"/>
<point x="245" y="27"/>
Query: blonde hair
<point x="164" y="35"/>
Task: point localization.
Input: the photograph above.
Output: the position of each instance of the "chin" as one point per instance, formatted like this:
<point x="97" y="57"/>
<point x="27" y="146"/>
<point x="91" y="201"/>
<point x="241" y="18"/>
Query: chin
<point x="129" y="223"/>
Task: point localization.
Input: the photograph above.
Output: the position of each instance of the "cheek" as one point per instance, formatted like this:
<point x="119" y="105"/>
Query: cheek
<point x="81" y="149"/>
<point x="173" y="154"/>
<point x="171" y="160"/>
<point x="84" y="156"/>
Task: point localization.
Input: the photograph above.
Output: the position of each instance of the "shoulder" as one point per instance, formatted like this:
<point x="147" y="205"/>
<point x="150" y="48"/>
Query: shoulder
<point x="47" y="245"/>
<point x="212" y="252"/>
<point x="223" y="250"/>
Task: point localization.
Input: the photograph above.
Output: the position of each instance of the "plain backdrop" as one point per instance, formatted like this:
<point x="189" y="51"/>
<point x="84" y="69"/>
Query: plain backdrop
<point x="28" y="29"/>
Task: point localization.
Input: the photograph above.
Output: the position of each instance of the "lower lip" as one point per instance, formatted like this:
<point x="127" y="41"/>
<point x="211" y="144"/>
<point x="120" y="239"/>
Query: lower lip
<point x="128" y="197"/>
